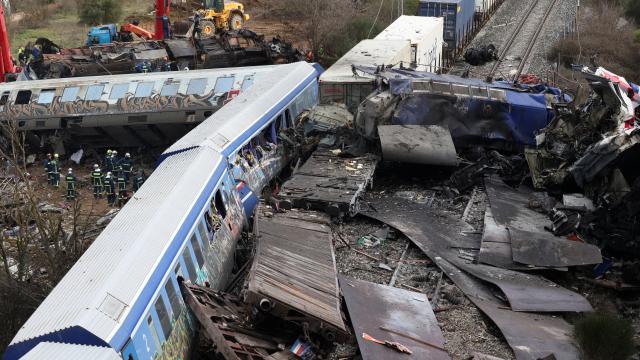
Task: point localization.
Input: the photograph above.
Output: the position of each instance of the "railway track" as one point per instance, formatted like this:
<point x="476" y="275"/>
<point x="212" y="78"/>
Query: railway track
<point x="513" y="54"/>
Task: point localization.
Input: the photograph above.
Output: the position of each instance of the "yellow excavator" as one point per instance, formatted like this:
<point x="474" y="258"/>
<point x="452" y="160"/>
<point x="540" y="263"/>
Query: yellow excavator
<point x="219" y="15"/>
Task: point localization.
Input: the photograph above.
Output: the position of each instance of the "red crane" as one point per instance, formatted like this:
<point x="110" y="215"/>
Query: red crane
<point x="6" y="63"/>
<point x="162" y="19"/>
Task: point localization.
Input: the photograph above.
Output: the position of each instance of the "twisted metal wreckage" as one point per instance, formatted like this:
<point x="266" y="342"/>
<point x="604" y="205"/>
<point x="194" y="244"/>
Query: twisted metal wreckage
<point x="228" y="49"/>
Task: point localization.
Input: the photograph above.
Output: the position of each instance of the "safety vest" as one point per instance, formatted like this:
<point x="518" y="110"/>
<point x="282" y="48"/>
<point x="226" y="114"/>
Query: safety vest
<point x="96" y="176"/>
<point x="71" y="182"/>
<point x="126" y="165"/>
<point x="110" y="186"/>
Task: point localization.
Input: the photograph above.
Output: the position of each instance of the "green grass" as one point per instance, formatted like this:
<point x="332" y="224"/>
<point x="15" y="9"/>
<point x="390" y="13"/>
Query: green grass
<point x="62" y="28"/>
<point x="603" y="336"/>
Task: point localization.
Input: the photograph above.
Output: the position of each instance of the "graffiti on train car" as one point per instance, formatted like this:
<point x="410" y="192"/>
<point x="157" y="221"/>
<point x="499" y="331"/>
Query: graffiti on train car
<point x="127" y="104"/>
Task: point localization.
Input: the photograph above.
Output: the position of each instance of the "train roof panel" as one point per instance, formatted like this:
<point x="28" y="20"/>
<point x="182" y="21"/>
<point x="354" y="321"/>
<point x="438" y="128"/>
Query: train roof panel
<point x="251" y="109"/>
<point x="99" y="292"/>
<point x="79" y="81"/>
<point x="373" y="52"/>
<point x="59" y="351"/>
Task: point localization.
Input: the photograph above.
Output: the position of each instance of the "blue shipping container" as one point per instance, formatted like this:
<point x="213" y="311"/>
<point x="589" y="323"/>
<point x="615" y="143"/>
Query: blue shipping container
<point x="458" y="18"/>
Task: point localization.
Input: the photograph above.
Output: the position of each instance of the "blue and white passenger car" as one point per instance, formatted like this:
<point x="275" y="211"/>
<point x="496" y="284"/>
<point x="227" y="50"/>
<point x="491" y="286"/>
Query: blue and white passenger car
<point x="121" y="299"/>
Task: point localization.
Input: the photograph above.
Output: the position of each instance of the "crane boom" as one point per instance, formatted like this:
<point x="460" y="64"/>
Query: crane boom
<point x="6" y="64"/>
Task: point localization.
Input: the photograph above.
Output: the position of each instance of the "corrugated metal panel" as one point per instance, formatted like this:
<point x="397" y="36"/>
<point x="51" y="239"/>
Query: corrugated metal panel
<point x="425" y="34"/>
<point x="484" y="5"/>
<point x="55" y="83"/>
<point x="367" y="52"/>
<point x="267" y="89"/>
<point x="58" y="351"/>
<point x="120" y="260"/>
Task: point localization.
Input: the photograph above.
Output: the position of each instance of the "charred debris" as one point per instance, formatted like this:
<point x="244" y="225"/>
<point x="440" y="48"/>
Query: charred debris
<point x="226" y="49"/>
<point x="551" y="194"/>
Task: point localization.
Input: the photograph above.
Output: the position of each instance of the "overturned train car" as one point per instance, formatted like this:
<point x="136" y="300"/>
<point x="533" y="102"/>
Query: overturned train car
<point x="121" y="300"/>
<point x="474" y="111"/>
<point x="129" y="110"/>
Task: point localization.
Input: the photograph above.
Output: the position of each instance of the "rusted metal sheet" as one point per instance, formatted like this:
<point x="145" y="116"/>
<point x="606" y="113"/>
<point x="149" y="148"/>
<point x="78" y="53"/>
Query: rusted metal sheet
<point x="330" y="183"/>
<point x="531" y="244"/>
<point x="222" y="318"/>
<point x="437" y="235"/>
<point x="531" y="336"/>
<point x="418" y="144"/>
<point x="542" y="249"/>
<point x="496" y="247"/>
<point x="294" y="271"/>
<point x="392" y="314"/>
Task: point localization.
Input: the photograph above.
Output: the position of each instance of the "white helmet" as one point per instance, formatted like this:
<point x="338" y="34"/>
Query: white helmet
<point x="95" y="166"/>
<point x="70" y="170"/>
<point x="109" y="174"/>
<point x="127" y="155"/>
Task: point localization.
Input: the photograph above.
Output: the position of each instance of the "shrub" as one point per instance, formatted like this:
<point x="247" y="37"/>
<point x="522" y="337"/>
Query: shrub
<point x="632" y="9"/>
<point x="567" y="50"/>
<point x="94" y="12"/>
<point x="603" y="336"/>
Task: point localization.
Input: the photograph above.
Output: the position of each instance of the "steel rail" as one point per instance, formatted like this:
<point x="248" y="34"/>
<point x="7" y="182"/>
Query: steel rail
<point x="535" y="38"/>
<point x="511" y="39"/>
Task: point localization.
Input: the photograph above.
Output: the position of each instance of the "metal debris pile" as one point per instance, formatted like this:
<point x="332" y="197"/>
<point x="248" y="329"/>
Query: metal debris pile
<point x="226" y="49"/>
<point x="516" y="217"/>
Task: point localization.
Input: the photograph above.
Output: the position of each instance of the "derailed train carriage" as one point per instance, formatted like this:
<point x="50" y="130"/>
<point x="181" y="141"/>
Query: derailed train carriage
<point x="474" y="111"/>
<point x="152" y="109"/>
<point x="121" y="299"/>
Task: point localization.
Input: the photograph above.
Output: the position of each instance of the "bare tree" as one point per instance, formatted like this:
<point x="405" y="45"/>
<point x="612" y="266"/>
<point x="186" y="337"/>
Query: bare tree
<point x="37" y="245"/>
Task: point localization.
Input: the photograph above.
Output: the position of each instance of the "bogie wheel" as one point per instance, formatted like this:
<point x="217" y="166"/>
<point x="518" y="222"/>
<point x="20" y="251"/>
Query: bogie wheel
<point x="236" y="21"/>
<point x="208" y="28"/>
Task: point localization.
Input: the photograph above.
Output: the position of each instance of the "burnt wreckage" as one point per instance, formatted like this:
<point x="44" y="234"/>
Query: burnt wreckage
<point x="228" y="49"/>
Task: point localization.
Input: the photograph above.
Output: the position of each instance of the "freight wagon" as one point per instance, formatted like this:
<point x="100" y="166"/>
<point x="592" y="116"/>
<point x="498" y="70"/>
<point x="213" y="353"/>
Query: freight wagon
<point x="458" y="19"/>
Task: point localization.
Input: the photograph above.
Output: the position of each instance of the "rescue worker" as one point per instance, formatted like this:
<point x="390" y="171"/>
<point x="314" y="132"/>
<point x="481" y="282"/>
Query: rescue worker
<point x="108" y="161"/>
<point x="122" y="183"/>
<point x="54" y="167"/>
<point x="71" y="185"/>
<point x="127" y="167"/>
<point x="22" y="57"/>
<point x="115" y="161"/>
<point x="47" y="168"/>
<point x="96" y="180"/>
<point x="139" y="180"/>
<point x="123" y="196"/>
<point x="110" y="188"/>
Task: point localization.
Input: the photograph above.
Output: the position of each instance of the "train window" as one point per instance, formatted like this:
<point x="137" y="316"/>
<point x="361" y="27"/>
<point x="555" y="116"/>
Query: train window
<point x="118" y="91"/>
<point x="202" y="231"/>
<point x="70" y="94"/>
<point x="46" y="96"/>
<point x="479" y="91"/>
<point x="163" y="316"/>
<point x="197" y="250"/>
<point x="279" y="124"/>
<point x="94" y="92"/>
<point x="154" y="334"/>
<point x="23" y="97"/>
<point x="223" y="84"/>
<point x="4" y="98"/>
<point x="461" y="89"/>
<point x="170" y="89"/>
<point x="287" y="116"/>
<point x="174" y="300"/>
<point x="196" y="86"/>
<point x="144" y="89"/>
<point x="247" y="82"/>
<point x="219" y="201"/>
<point x="191" y="270"/>
<point x="178" y="271"/>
